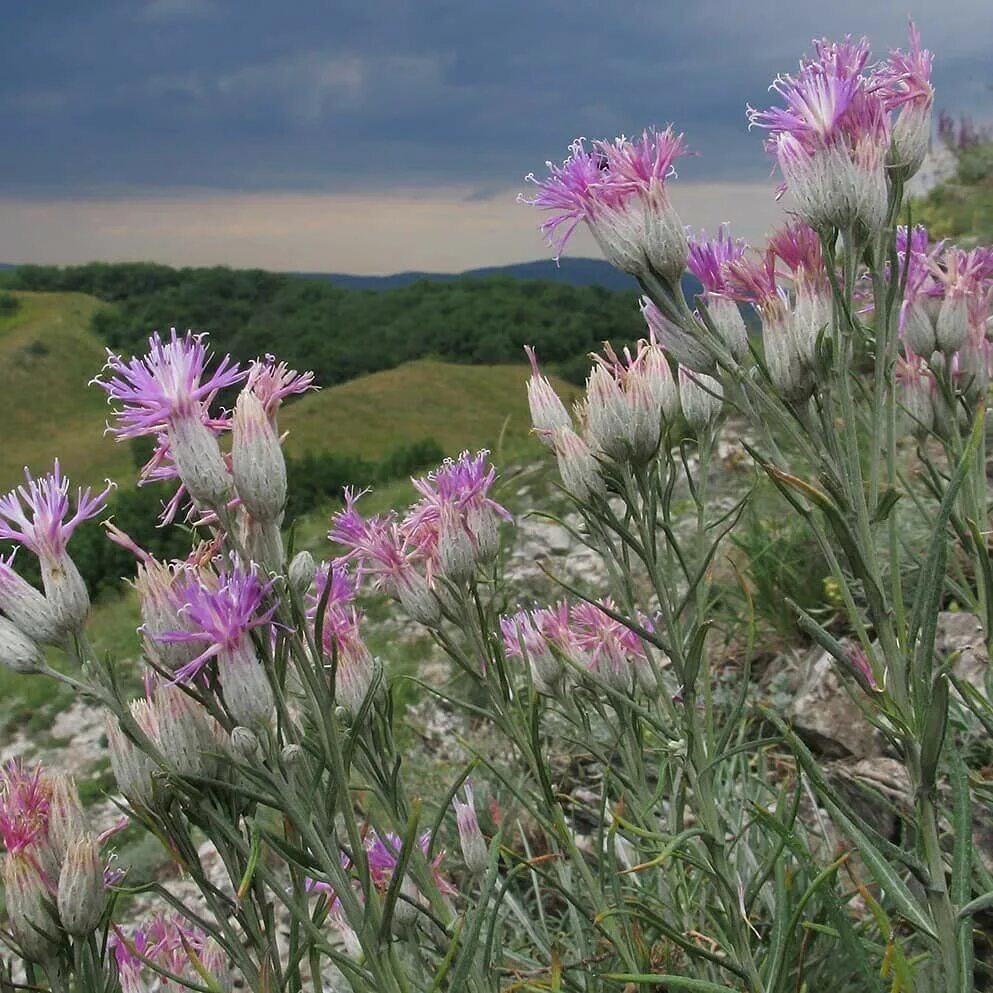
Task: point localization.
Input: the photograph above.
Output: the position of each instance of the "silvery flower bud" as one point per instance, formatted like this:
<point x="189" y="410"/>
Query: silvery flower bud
<point x="456" y="554"/>
<point x="183" y="734"/>
<point x="546" y="407"/>
<point x="606" y="414"/>
<point x="244" y="743"/>
<point x="579" y="470"/>
<point x="728" y="323"/>
<point x="245" y="685"/>
<point x="484" y="526"/>
<point x="263" y="541"/>
<point x="910" y="138"/>
<point x="132" y="768"/>
<point x="644" y="417"/>
<point x="952" y="325"/>
<point x="199" y="462"/>
<point x="66" y="591"/>
<point x="29" y="907"/>
<point x="27" y="607"/>
<point x="416" y="597"/>
<point x="17" y="650"/>
<point x="155" y="584"/>
<point x="81" y="897"/>
<point x="292" y="755"/>
<point x="918" y="327"/>
<point x="66" y="819"/>
<point x="474" y="849"/>
<point x="302" y="571"/>
<point x="353" y="675"/>
<point x="257" y="461"/>
<point x="701" y="397"/>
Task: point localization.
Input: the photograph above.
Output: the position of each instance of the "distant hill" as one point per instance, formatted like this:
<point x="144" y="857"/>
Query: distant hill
<point x="48" y="355"/>
<point x="573" y="272"/>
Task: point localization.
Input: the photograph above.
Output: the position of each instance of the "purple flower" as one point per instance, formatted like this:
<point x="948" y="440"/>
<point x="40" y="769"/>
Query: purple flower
<point x="273" y="382"/>
<point x="220" y="613"/>
<point x="708" y="259"/>
<point x="166" y="386"/>
<point x="832" y="138"/>
<point x="25" y="800"/>
<point x="383" y="854"/>
<point x="618" y="190"/>
<point x="35" y="514"/>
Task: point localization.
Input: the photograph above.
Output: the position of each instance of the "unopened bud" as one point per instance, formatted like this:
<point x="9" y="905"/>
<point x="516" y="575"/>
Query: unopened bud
<point x="66" y="591"/>
<point x="29" y="907"/>
<point x="132" y="768"/>
<point x="952" y="325"/>
<point x="456" y="554"/>
<point x="471" y="839"/>
<point x="578" y="468"/>
<point x="728" y="323"/>
<point x="199" y="462"/>
<point x="910" y="138"/>
<point x="27" y="607"/>
<point x="353" y="676"/>
<point x="66" y="819"/>
<point x="606" y="414"/>
<point x="244" y="743"/>
<point x="263" y="541"/>
<point x="292" y="755"/>
<point x="257" y="461"/>
<point x="547" y="410"/>
<point x="183" y="733"/>
<point x="302" y="571"/>
<point x="17" y="650"/>
<point x="917" y="327"/>
<point x="701" y="398"/>
<point x="81" y="898"/>
<point x="245" y="685"/>
<point x="416" y="597"/>
<point x="484" y="525"/>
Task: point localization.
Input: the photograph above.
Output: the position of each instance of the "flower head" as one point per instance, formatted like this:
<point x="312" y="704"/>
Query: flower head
<point x="272" y="382"/>
<point x="35" y="514"/>
<point x="618" y="189"/>
<point x="219" y="612"/>
<point x="168" y="385"/>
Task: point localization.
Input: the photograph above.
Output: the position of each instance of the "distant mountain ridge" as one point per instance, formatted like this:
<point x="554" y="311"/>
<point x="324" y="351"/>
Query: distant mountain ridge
<point x="572" y="271"/>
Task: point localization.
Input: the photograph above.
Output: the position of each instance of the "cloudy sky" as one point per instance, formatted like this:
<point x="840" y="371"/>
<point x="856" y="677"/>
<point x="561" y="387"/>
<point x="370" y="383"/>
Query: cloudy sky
<point x="372" y="136"/>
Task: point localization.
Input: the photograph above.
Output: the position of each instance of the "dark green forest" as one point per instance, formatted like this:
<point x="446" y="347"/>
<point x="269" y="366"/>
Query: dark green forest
<point x="342" y="333"/>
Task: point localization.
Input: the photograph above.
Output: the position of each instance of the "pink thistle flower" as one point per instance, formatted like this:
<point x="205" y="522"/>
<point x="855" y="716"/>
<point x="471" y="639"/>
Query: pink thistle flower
<point x="167" y="393"/>
<point x="618" y="190"/>
<point x="167" y="386"/>
<point x="341" y="634"/>
<point x="383" y="855"/>
<point x="25" y="803"/>
<point x="832" y="138"/>
<point x="220" y="613"/>
<point x="36" y="515"/>
<point x="708" y="260"/>
<point x="273" y="382"/>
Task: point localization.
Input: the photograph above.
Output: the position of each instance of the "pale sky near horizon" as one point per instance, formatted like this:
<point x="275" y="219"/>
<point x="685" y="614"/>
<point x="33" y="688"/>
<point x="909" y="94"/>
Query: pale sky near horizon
<point x="391" y="135"/>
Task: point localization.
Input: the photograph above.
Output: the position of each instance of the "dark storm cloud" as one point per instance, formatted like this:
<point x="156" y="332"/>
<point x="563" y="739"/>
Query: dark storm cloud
<point x="112" y="97"/>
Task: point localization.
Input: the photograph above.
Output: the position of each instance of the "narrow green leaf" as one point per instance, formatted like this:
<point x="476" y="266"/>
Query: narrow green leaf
<point x="961" y="883"/>
<point x="674" y="983"/>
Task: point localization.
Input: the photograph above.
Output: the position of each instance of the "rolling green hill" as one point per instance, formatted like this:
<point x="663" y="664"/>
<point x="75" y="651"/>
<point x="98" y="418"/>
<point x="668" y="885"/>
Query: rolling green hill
<point x="459" y="406"/>
<point x="48" y="355"/>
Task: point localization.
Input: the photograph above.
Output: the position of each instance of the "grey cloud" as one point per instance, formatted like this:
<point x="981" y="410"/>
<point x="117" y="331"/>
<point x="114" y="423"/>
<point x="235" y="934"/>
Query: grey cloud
<point x="311" y="95"/>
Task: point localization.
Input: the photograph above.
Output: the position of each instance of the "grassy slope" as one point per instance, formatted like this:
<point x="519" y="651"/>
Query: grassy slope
<point x="47" y="357"/>
<point x="459" y="406"/>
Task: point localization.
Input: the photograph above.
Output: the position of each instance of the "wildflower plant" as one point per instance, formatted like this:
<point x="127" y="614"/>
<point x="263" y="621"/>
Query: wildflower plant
<point x="637" y="826"/>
